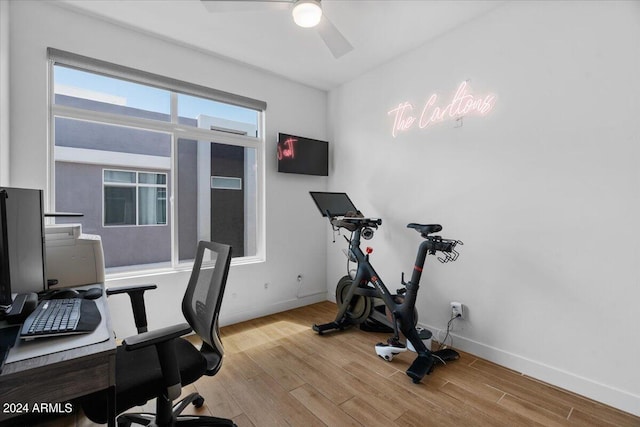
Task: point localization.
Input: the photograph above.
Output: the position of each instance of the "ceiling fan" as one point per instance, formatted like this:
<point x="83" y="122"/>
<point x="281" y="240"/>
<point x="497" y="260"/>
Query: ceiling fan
<point x="306" y="14"/>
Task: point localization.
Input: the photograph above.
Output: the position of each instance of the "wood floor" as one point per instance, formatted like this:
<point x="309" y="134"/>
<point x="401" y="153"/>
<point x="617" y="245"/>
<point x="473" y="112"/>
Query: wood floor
<point x="278" y="372"/>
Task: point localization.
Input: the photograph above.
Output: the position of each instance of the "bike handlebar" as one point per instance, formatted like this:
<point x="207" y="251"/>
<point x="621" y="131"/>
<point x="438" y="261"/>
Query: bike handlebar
<point x="447" y="247"/>
<point x="352" y="224"/>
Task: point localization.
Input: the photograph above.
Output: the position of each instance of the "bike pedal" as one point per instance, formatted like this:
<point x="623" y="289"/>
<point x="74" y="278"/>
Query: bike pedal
<point x="387" y="351"/>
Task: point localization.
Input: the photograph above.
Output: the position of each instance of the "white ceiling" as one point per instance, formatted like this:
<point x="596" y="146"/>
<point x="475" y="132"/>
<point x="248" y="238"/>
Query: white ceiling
<point x="264" y="35"/>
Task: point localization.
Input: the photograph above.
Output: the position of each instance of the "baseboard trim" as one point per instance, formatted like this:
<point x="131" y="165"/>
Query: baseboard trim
<point x="620" y="399"/>
<point x="227" y="318"/>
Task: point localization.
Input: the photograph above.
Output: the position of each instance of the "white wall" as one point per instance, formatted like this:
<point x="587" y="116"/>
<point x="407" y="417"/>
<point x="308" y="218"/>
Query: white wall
<point x="543" y="191"/>
<point x="292" y="108"/>
<point x="4" y="92"/>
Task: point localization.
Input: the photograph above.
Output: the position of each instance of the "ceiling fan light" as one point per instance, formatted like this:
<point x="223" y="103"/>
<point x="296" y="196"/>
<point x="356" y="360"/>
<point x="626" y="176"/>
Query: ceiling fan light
<point x="307" y="13"/>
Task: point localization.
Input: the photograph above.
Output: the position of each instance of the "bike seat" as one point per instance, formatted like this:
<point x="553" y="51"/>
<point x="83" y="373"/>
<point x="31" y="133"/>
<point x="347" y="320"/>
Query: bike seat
<point x="425" y="229"/>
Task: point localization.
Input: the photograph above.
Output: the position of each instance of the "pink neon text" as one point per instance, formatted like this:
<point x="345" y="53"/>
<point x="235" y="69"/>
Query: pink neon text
<point x="462" y="104"/>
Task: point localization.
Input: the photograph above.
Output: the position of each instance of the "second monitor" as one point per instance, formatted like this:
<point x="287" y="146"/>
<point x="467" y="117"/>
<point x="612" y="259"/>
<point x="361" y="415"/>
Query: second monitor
<point x="23" y="248"/>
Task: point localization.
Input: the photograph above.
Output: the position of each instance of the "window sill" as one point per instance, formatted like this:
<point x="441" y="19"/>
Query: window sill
<point x="157" y="271"/>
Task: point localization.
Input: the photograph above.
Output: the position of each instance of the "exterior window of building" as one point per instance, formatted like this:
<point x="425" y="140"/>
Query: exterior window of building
<point x="141" y="156"/>
<point x="134" y="198"/>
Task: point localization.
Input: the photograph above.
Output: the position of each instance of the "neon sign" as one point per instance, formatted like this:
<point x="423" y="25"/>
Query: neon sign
<point x="462" y="104"/>
<point x="287" y="150"/>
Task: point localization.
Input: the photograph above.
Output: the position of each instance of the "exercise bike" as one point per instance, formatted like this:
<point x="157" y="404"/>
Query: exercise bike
<point x="355" y="296"/>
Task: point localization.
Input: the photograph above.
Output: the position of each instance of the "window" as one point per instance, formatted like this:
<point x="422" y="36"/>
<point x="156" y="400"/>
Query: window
<point x="154" y="164"/>
<point x="229" y="214"/>
<point x="134" y="198"/>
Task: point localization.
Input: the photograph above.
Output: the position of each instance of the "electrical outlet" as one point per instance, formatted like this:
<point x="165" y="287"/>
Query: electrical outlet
<point x="457" y="310"/>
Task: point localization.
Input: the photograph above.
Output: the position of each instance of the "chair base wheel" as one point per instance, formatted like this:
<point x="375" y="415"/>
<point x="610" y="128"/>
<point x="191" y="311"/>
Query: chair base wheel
<point x="198" y="402"/>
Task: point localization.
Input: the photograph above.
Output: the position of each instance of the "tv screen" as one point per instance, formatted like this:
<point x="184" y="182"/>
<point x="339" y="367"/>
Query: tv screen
<point x="302" y="155"/>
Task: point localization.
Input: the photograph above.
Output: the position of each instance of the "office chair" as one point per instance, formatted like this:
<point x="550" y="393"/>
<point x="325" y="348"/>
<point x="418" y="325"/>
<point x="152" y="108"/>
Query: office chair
<point x="156" y="364"/>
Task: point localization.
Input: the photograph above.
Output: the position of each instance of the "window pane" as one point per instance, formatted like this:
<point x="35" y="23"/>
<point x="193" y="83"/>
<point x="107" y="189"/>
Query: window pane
<point x="221" y="215"/>
<point x="226" y="183"/>
<point x="95" y="92"/>
<point x="152" y="178"/>
<point x="119" y="206"/>
<point x="119" y="176"/>
<point x="152" y="206"/>
<point x="91" y="156"/>
<point x="82" y="137"/>
<point x="207" y="114"/>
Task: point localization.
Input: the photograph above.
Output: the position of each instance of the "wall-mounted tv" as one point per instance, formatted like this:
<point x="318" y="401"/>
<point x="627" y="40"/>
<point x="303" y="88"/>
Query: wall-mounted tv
<point x="302" y="155"/>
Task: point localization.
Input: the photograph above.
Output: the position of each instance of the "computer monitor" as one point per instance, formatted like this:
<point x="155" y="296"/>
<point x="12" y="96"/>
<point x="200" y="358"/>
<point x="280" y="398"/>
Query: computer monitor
<point x="23" y="247"/>
<point x="5" y="278"/>
<point x="337" y="204"/>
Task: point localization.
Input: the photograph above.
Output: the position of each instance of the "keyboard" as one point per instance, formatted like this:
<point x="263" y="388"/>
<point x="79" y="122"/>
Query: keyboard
<point x="59" y="317"/>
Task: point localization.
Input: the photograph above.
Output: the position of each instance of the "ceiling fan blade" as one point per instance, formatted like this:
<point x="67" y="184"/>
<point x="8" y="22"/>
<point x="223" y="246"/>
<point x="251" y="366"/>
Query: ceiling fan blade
<point x="222" y="6"/>
<point x="333" y="38"/>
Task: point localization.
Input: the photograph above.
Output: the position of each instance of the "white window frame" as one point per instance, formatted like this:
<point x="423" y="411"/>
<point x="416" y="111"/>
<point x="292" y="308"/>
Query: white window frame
<point x="173" y="128"/>
<point x="136" y="185"/>
<point x="226" y="183"/>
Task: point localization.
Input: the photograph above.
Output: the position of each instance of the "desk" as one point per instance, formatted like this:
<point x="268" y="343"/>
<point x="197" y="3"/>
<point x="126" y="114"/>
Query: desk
<point x="62" y="376"/>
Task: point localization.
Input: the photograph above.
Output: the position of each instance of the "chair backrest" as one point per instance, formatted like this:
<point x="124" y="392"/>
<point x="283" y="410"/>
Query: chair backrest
<point x="203" y="298"/>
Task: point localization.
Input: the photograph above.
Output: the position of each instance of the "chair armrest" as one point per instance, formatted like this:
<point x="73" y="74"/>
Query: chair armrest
<point x="131" y="288"/>
<point x="156" y="336"/>
<point x="163" y="340"/>
<point x="136" y="295"/>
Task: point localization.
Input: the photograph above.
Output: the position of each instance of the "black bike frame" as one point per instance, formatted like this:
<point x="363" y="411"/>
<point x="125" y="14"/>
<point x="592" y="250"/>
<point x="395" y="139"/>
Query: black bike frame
<point x="367" y="284"/>
<point x="403" y="313"/>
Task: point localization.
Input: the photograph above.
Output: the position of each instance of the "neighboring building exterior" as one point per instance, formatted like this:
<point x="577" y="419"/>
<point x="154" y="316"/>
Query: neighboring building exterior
<point x="132" y="169"/>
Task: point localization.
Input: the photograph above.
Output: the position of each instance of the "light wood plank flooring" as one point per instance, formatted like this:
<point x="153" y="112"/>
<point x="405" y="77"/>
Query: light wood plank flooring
<point x="278" y="372"/>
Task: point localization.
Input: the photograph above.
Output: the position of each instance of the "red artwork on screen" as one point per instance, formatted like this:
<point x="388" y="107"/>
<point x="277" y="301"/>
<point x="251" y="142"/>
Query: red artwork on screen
<point x="287" y="150"/>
